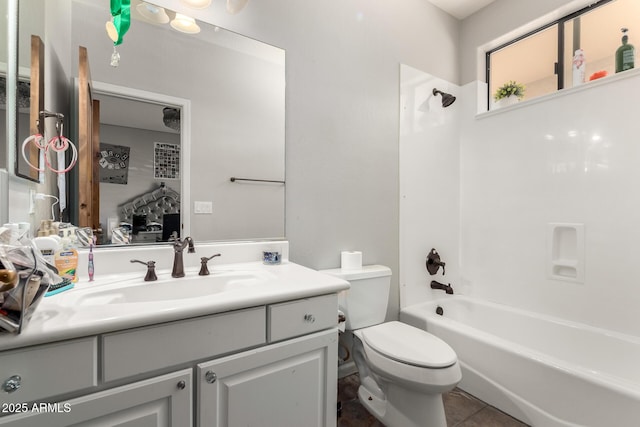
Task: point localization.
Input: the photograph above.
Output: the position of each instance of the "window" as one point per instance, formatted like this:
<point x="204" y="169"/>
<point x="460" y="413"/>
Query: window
<point x="543" y="60"/>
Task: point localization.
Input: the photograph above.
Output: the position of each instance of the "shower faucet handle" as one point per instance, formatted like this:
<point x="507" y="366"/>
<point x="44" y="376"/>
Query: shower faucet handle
<point x="434" y="262"/>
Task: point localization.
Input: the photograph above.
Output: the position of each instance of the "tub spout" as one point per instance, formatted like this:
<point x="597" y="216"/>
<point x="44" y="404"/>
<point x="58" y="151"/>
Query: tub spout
<point x="437" y="285"/>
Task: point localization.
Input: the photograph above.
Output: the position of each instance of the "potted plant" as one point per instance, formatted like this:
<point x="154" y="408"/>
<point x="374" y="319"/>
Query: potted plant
<point x="508" y="94"/>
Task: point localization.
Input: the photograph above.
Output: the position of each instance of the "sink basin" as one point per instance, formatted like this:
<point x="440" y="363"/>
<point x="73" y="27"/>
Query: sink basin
<point x="164" y="289"/>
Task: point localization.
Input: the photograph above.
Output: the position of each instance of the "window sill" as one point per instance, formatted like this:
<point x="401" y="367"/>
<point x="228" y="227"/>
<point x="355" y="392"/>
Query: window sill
<point x="563" y="92"/>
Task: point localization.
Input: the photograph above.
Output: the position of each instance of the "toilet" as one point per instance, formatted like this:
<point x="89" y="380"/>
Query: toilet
<point x="403" y="370"/>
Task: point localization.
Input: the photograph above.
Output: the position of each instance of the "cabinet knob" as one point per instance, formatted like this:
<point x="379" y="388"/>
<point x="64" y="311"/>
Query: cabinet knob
<point x="12" y="383"/>
<point x="309" y="318"/>
<point x="210" y="377"/>
<point x="182" y="384"/>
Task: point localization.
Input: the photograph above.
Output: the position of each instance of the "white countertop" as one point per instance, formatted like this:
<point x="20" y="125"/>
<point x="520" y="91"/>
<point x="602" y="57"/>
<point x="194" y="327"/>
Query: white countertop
<point x="59" y="318"/>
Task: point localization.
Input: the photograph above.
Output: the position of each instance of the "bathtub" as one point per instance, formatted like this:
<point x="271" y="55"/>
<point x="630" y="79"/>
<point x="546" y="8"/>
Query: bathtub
<point x="542" y="370"/>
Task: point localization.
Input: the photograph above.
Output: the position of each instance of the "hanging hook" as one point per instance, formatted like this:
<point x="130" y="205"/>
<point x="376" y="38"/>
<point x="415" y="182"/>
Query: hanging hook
<point x="59" y="128"/>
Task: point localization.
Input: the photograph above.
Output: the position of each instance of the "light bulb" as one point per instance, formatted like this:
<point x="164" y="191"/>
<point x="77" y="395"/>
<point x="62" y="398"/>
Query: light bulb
<point x="185" y="24"/>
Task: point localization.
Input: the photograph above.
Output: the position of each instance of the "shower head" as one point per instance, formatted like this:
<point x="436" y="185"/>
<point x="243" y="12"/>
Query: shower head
<point x="447" y="99"/>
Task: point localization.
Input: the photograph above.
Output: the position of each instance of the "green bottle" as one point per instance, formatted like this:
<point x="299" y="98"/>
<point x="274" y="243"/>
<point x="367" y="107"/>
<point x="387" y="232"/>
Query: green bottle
<point x="625" y="55"/>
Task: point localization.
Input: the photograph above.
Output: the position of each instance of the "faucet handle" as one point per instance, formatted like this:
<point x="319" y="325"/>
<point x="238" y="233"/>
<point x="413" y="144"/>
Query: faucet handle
<point x="434" y="263"/>
<point x="191" y="249"/>
<point x="151" y="270"/>
<point x="204" y="270"/>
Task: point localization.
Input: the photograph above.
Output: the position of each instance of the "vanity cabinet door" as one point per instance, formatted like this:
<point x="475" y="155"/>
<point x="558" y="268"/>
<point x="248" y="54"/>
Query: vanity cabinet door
<point x="292" y="383"/>
<point x="161" y="401"/>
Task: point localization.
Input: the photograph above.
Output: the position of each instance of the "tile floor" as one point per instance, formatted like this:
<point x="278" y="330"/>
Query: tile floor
<point x="461" y="409"/>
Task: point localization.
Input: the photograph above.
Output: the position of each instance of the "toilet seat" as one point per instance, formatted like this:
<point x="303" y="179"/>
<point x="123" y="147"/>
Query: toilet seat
<point x="409" y="345"/>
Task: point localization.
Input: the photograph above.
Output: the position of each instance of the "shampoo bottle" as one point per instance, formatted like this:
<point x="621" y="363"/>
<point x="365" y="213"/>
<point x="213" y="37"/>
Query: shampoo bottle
<point x="625" y="55"/>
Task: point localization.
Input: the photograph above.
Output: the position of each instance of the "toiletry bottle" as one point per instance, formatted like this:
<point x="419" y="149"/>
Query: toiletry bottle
<point x="91" y="268"/>
<point x="579" y="66"/>
<point x="66" y="261"/>
<point x="625" y="55"/>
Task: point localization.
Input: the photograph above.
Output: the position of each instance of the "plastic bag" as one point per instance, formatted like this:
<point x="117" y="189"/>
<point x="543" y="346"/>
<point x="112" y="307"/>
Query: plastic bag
<point x="25" y="276"/>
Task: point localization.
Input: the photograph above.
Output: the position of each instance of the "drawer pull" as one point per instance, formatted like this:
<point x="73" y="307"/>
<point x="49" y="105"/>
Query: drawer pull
<point x="210" y="377"/>
<point x="12" y="384"/>
<point x="182" y="384"/>
<point x="309" y="318"/>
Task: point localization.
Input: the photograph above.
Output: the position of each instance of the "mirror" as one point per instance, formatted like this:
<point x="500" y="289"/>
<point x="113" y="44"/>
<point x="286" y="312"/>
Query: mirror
<point x="3" y="84"/>
<point x="233" y="88"/>
<point x="128" y="169"/>
<point x="30" y="90"/>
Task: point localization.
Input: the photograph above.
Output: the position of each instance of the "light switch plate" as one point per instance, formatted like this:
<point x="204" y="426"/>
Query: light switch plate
<point x="202" y="207"/>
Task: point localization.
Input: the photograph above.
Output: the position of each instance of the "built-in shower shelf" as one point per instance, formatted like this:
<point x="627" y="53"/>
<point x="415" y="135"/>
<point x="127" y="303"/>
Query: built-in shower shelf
<point x="565" y="253"/>
<point x="565" y="262"/>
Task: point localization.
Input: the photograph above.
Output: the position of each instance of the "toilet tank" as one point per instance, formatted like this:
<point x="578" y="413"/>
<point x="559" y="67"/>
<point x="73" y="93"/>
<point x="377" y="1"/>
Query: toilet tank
<point x="365" y="303"/>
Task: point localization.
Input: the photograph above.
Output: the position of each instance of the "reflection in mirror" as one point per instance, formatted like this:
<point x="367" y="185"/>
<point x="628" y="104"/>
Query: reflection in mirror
<point x="30" y="100"/>
<point x="30" y="90"/>
<point x="140" y="174"/>
<point x="3" y="85"/>
<point x="235" y="90"/>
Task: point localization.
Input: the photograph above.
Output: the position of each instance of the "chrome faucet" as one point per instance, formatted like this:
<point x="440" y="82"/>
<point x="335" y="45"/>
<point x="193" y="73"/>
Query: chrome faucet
<point x="178" y="247"/>
<point x="437" y="285"/>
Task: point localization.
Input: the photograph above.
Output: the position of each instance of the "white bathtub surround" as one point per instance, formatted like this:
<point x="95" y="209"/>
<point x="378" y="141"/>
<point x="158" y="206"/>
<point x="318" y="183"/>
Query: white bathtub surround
<point x="484" y="191"/>
<point x="565" y="158"/>
<point x="542" y="231"/>
<point x="543" y="370"/>
<point x="429" y="183"/>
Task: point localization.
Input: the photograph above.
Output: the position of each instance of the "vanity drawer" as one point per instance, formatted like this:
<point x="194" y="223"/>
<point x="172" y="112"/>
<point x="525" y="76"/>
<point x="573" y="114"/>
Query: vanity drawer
<point x="49" y="370"/>
<point x="147" y="349"/>
<point x="300" y="317"/>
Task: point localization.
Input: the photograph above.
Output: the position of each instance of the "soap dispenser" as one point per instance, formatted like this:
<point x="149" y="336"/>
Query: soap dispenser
<point x="625" y="55"/>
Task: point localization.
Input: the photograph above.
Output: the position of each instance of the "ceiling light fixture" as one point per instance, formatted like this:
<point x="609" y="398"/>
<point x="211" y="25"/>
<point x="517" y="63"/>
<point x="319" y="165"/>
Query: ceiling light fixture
<point x="185" y="24"/>
<point x="196" y="4"/>
<point x="235" y="6"/>
<point x="152" y="13"/>
<point x="171" y="118"/>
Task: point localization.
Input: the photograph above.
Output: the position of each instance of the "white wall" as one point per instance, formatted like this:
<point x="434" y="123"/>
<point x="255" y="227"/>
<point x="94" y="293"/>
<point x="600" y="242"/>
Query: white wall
<point x="342" y="97"/>
<point x="342" y="80"/>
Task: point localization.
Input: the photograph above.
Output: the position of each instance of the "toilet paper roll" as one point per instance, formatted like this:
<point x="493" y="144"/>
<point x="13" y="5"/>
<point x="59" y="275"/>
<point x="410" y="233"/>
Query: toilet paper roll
<point x="351" y="260"/>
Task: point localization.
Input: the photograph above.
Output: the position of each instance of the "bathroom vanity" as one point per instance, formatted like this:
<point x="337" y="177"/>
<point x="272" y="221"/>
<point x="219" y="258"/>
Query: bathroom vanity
<point x="261" y="351"/>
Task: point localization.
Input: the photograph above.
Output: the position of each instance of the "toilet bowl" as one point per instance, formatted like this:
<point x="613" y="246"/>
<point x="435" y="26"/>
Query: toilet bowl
<point x="403" y="370"/>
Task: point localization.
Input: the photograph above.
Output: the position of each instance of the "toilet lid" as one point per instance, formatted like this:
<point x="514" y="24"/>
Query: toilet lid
<point x="406" y="344"/>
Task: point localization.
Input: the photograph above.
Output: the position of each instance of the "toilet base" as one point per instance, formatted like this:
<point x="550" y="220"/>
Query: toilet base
<point x="404" y="408"/>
